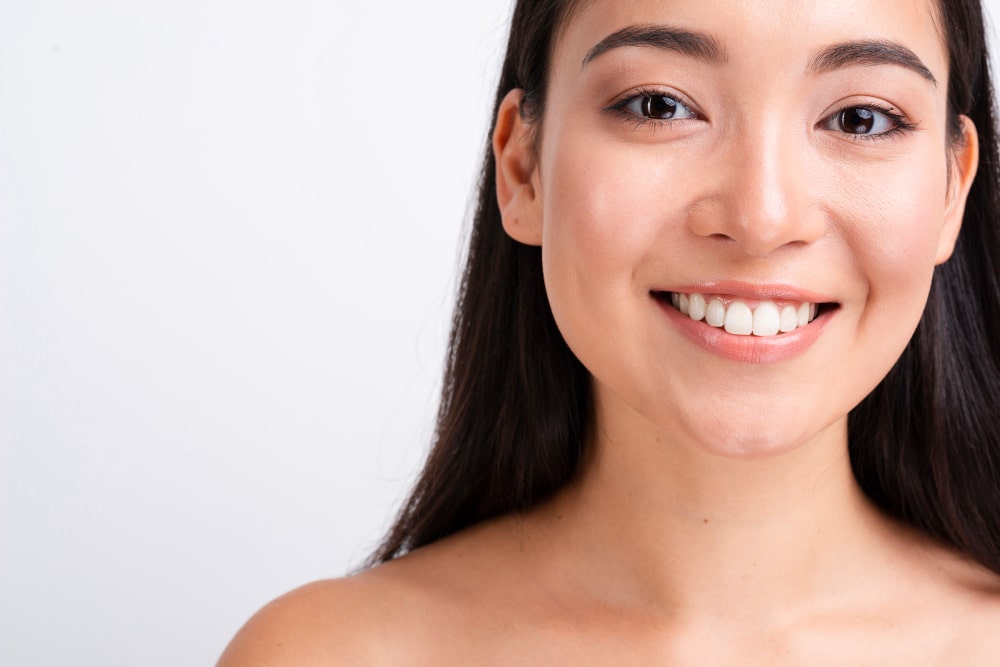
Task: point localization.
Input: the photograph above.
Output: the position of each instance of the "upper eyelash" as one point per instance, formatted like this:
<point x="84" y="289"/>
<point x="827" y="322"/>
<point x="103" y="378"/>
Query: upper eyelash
<point x="618" y="107"/>
<point x="902" y="123"/>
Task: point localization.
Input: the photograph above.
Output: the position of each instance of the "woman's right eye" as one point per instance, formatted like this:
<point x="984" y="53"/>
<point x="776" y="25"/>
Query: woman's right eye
<point x="656" y="106"/>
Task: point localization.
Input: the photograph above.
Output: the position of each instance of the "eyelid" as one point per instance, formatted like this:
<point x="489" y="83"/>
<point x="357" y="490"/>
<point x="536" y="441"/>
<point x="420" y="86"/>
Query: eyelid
<point x="621" y="102"/>
<point x="902" y="123"/>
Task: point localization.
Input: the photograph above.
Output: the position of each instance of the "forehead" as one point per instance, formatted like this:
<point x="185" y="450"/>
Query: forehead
<point x="786" y="29"/>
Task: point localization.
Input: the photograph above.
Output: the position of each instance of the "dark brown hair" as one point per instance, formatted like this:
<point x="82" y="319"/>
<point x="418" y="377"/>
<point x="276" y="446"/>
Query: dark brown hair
<point x="516" y="403"/>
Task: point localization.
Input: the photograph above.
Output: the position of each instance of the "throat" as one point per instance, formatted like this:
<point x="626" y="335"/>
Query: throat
<point x="716" y="535"/>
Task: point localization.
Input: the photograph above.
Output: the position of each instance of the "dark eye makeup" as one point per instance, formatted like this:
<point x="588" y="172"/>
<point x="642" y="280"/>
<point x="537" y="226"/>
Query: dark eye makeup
<point x="868" y="121"/>
<point x="658" y="107"/>
<point x="653" y="106"/>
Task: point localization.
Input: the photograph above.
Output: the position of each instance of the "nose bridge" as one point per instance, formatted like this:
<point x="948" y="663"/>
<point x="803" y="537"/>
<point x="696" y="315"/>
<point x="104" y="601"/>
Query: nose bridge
<point x="764" y="189"/>
<point x="766" y="174"/>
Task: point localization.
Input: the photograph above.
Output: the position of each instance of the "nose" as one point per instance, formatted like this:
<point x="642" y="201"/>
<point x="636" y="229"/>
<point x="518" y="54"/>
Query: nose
<point x="761" y="195"/>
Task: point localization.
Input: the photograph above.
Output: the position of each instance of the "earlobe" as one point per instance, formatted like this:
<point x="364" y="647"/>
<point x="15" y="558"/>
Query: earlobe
<point x="517" y="194"/>
<point x="964" y="164"/>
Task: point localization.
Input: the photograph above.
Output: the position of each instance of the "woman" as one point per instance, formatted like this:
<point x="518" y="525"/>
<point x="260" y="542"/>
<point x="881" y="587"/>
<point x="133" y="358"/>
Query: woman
<point x="686" y="418"/>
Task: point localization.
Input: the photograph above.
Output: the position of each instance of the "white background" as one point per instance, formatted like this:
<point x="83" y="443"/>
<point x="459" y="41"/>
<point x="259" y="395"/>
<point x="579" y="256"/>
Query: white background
<point x="228" y="240"/>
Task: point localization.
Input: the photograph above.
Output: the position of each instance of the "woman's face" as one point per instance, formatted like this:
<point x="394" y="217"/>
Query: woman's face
<point x="771" y="165"/>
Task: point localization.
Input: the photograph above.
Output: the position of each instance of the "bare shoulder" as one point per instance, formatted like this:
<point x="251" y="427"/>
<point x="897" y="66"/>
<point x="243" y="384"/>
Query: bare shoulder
<point x="391" y="614"/>
<point x="965" y="597"/>
<point x="322" y="623"/>
<point x="977" y="633"/>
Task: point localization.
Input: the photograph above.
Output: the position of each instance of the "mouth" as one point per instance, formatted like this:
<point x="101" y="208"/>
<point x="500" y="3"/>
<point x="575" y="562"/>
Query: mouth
<point x="764" y="318"/>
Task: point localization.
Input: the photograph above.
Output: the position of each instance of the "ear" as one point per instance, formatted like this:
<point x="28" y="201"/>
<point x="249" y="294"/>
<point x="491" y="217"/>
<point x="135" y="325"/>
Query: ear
<point x="964" y="163"/>
<point x="516" y="172"/>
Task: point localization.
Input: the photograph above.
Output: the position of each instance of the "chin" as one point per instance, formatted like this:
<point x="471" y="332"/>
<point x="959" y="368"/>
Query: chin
<point x="742" y="442"/>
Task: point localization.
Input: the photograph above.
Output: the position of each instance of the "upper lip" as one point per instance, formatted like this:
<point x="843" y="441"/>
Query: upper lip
<point x="752" y="291"/>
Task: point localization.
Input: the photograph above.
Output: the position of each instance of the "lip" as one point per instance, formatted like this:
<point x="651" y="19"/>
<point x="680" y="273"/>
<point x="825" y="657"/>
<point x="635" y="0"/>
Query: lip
<point x="749" y="349"/>
<point x="751" y="293"/>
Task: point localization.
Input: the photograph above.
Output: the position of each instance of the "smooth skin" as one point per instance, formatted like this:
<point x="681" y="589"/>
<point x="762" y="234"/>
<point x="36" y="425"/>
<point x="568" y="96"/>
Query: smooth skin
<point x="716" y="520"/>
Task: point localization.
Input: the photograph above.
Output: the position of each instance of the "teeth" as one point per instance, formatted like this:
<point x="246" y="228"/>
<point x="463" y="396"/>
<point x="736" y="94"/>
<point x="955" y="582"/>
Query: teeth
<point x="739" y="319"/>
<point x="789" y="319"/>
<point x="715" y="314"/>
<point x="697" y="307"/>
<point x="767" y="319"/>
<point x="805" y="310"/>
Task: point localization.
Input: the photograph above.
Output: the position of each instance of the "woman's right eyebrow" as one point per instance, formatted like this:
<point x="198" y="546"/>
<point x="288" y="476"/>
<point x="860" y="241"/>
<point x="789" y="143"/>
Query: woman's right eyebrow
<point x="695" y="44"/>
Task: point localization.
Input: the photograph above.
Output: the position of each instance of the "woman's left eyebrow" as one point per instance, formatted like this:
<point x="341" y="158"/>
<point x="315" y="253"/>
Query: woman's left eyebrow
<point x="867" y="53"/>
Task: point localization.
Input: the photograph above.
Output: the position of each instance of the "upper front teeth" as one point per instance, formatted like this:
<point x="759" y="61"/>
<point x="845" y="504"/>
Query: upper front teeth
<point x="767" y="319"/>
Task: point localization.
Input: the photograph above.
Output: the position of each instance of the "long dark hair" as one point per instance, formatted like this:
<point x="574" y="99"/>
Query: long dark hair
<point x="516" y="403"/>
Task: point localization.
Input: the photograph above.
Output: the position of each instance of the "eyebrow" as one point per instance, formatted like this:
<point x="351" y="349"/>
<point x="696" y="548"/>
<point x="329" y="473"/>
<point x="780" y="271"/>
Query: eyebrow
<point x="697" y="45"/>
<point x="705" y="47"/>
<point x="868" y="53"/>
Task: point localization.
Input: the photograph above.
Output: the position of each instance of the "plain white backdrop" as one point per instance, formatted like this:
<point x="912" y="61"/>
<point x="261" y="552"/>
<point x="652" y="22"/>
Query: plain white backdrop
<point x="229" y="234"/>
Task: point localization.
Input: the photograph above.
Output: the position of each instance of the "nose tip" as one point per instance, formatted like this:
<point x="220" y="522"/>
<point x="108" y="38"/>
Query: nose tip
<point x="762" y="203"/>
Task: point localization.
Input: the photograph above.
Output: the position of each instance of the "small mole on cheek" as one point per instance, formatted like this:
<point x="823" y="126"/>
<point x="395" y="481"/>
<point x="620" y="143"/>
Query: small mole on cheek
<point x="705" y="520"/>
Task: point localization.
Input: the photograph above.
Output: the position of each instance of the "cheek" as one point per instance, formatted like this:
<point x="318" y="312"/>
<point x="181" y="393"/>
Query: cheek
<point x="605" y="209"/>
<point x="891" y="219"/>
<point x="602" y="209"/>
<point x="890" y="223"/>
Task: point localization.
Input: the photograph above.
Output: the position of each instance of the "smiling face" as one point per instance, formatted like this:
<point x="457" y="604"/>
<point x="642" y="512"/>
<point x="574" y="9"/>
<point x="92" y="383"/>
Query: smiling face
<point x="777" y="170"/>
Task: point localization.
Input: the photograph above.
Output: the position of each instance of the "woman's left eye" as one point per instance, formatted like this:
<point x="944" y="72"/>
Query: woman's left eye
<point x="656" y="106"/>
<point x="866" y="122"/>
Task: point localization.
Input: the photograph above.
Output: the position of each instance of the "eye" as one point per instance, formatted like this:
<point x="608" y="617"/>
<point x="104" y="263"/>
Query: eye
<point x="656" y="106"/>
<point x="867" y="121"/>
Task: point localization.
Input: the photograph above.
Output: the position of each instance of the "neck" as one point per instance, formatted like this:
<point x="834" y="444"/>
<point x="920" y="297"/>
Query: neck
<point x="671" y="525"/>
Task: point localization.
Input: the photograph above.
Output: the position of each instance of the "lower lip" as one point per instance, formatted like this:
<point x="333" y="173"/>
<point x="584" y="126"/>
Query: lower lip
<point x="747" y="349"/>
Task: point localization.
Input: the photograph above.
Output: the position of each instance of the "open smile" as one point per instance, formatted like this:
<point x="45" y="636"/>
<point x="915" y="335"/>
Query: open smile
<point x="744" y="317"/>
<point x="755" y="326"/>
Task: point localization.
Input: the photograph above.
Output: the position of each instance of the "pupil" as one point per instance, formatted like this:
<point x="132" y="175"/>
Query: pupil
<point x="660" y="107"/>
<point x="858" y="120"/>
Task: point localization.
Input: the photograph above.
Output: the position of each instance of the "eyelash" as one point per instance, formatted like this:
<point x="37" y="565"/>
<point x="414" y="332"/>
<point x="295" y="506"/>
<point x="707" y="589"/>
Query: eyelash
<point x="900" y="123"/>
<point x="619" y="108"/>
